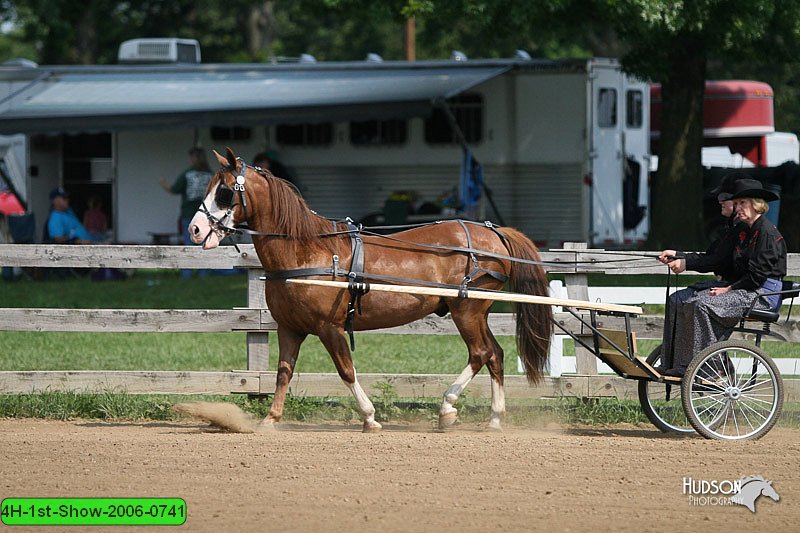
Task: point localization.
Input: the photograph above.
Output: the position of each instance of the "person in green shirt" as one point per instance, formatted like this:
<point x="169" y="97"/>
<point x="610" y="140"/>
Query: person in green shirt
<point x="191" y="184"/>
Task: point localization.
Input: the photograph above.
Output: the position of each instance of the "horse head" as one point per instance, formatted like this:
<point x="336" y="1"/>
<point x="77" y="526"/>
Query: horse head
<point x="226" y="202"/>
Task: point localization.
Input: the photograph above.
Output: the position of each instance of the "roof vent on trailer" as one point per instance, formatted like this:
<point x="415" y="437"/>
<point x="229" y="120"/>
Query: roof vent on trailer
<point x="165" y="50"/>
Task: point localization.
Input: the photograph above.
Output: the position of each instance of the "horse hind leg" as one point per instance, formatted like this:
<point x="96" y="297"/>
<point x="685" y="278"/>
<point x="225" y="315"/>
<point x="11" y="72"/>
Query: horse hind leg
<point x="448" y="413"/>
<point x="336" y="344"/>
<point x="496" y="372"/>
<point x="483" y="350"/>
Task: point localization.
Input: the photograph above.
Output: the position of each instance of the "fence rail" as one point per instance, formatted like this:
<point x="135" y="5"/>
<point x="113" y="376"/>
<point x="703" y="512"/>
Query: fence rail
<point x="257" y="322"/>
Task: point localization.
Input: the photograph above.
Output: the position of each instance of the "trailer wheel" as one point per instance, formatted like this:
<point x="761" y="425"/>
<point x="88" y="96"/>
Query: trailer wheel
<point x="661" y="402"/>
<point x="732" y="390"/>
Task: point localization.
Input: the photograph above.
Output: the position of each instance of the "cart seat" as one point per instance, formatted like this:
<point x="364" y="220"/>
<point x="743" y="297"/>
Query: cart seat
<point x="766" y="315"/>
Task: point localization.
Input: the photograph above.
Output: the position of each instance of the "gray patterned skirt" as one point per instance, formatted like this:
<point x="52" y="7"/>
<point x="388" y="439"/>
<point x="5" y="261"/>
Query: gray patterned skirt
<point x="695" y="320"/>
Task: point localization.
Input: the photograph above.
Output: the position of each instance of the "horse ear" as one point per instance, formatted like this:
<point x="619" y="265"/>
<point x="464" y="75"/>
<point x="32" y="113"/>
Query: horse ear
<point x="231" y="157"/>
<point x="221" y="159"/>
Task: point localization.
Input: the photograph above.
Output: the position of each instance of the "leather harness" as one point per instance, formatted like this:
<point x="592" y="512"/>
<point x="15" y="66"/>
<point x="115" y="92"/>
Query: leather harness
<point x="358" y="278"/>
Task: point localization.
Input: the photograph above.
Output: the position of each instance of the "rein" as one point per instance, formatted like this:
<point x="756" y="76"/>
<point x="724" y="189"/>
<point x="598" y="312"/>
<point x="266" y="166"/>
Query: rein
<point x="219" y="225"/>
<point x="358" y="284"/>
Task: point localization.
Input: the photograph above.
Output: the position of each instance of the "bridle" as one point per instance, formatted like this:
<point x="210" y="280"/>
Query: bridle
<point x="224" y="198"/>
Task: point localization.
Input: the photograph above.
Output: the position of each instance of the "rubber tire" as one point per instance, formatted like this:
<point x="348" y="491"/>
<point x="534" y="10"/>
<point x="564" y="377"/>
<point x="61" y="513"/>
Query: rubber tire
<point x="709" y="431"/>
<point x="646" y="386"/>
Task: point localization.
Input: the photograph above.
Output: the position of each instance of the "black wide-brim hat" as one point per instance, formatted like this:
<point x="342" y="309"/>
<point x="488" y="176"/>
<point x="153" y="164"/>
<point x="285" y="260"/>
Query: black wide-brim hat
<point x="750" y="188"/>
<point x="724" y="190"/>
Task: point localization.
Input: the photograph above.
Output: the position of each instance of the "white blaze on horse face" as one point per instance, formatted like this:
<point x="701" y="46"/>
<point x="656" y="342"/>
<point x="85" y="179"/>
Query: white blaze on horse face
<point x="200" y="230"/>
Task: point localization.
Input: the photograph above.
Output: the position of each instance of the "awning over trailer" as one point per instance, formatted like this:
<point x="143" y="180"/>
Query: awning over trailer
<point x="63" y="99"/>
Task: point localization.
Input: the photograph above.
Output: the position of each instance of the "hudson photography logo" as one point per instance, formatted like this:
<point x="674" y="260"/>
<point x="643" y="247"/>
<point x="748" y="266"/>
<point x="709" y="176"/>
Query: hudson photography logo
<point x="744" y="491"/>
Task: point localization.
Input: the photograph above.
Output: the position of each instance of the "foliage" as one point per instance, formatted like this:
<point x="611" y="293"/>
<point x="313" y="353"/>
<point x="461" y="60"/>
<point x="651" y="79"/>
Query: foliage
<point x="672" y="43"/>
<point x="116" y="406"/>
<point x="385" y="401"/>
<point x="63" y="32"/>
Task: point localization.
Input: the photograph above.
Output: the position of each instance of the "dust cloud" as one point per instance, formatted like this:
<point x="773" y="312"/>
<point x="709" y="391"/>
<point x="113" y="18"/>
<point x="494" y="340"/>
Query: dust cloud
<point x="225" y="416"/>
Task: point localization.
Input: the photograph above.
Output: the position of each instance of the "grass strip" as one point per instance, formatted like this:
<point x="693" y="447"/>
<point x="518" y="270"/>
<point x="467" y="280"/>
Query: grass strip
<point x="116" y="406"/>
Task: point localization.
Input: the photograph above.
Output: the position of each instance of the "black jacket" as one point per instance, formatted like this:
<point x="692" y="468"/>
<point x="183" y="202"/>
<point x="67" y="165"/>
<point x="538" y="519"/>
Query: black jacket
<point x="719" y="256"/>
<point x="760" y="253"/>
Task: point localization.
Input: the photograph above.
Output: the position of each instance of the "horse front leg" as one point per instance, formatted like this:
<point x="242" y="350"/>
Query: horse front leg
<point x="334" y="341"/>
<point x="289" y="347"/>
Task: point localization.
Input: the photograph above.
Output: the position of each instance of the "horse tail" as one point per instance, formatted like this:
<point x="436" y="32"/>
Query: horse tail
<point x="534" y="321"/>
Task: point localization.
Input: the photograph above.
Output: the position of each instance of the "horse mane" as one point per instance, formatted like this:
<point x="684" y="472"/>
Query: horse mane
<point x="292" y="216"/>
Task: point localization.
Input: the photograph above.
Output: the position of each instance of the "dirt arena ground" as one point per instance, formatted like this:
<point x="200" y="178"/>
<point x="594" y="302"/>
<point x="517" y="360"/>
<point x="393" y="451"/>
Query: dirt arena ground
<point x="321" y="477"/>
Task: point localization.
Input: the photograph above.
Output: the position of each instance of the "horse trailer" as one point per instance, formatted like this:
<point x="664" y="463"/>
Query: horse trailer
<point x="563" y="145"/>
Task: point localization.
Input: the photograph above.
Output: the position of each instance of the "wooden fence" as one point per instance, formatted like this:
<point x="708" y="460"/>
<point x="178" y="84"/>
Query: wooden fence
<point x="257" y="322"/>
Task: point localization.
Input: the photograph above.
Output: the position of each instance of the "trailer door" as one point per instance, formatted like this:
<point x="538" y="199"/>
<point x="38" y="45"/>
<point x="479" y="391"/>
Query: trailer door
<point x="636" y="150"/>
<point x="606" y="154"/>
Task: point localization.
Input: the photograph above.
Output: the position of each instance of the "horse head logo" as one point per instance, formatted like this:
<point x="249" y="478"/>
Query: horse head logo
<point x="751" y="488"/>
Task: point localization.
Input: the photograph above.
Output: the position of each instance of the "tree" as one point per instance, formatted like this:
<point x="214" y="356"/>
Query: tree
<point x="66" y="32"/>
<point x="673" y="42"/>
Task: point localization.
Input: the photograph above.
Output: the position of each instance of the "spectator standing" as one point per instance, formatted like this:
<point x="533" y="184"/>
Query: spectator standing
<point x="191" y="184"/>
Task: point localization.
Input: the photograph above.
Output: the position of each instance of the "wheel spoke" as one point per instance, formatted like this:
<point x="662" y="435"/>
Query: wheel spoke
<point x="753" y="412"/>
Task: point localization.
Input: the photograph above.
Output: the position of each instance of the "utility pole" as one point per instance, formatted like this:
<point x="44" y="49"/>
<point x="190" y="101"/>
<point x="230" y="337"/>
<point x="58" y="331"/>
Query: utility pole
<point x="411" y="39"/>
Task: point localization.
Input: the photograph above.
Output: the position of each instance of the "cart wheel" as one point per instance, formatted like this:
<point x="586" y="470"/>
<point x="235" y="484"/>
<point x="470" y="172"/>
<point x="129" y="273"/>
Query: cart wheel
<point x="732" y="390"/>
<point x="661" y="402"/>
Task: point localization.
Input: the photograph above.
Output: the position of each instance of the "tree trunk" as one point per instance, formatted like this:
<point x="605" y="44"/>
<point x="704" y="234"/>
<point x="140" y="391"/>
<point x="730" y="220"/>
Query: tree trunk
<point x="677" y="190"/>
<point x="84" y="48"/>
<point x="261" y="31"/>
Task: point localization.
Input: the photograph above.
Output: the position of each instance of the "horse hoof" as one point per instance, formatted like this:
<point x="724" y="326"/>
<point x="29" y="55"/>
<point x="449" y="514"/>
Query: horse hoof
<point x="448" y="419"/>
<point x="494" y="425"/>
<point x="265" y="427"/>
<point x="371" y="427"/>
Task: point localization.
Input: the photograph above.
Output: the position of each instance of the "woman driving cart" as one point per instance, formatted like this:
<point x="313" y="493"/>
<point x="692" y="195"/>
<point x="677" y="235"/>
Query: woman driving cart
<point x="757" y="262"/>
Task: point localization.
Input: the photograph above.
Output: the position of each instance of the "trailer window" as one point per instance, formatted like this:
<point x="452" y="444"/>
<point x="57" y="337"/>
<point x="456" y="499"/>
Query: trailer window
<point x="607" y="108"/>
<point x="304" y="134"/>
<point x="468" y="112"/>
<point x="233" y="133"/>
<point x="634" y="109"/>
<point x="378" y="132"/>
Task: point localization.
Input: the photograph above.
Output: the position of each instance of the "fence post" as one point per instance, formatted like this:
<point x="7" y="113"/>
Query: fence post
<point x="578" y="289"/>
<point x="257" y="341"/>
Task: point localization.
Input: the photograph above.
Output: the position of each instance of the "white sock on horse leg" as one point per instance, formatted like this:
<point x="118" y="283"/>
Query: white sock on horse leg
<point x="498" y="404"/>
<point x="364" y="403"/>
<point x="455" y="390"/>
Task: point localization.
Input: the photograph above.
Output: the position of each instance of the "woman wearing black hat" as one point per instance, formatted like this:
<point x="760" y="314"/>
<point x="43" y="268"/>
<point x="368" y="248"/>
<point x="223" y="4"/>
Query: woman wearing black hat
<point x="758" y="261"/>
<point x="718" y="258"/>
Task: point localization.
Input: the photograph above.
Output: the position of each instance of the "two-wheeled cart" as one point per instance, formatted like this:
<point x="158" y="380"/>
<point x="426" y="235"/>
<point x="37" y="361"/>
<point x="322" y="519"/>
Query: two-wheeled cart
<point x="732" y="390"/>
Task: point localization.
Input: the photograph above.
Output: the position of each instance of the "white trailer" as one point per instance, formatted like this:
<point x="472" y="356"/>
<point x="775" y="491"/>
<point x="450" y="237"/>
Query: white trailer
<point x="564" y="144"/>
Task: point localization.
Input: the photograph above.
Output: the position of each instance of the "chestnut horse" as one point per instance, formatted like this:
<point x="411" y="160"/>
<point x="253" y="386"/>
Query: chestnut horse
<point x="289" y="236"/>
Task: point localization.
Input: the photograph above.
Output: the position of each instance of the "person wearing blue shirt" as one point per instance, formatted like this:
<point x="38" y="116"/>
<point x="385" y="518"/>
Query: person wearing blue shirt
<point x="63" y="225"/>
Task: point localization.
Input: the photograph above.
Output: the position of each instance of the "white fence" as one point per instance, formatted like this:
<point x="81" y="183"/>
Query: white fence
<point x="257" y="322"/>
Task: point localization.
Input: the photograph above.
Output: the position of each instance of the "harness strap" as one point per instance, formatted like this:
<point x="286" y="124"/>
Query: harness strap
<point x="282" y="275"/>
<point x="356" y="284"/>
